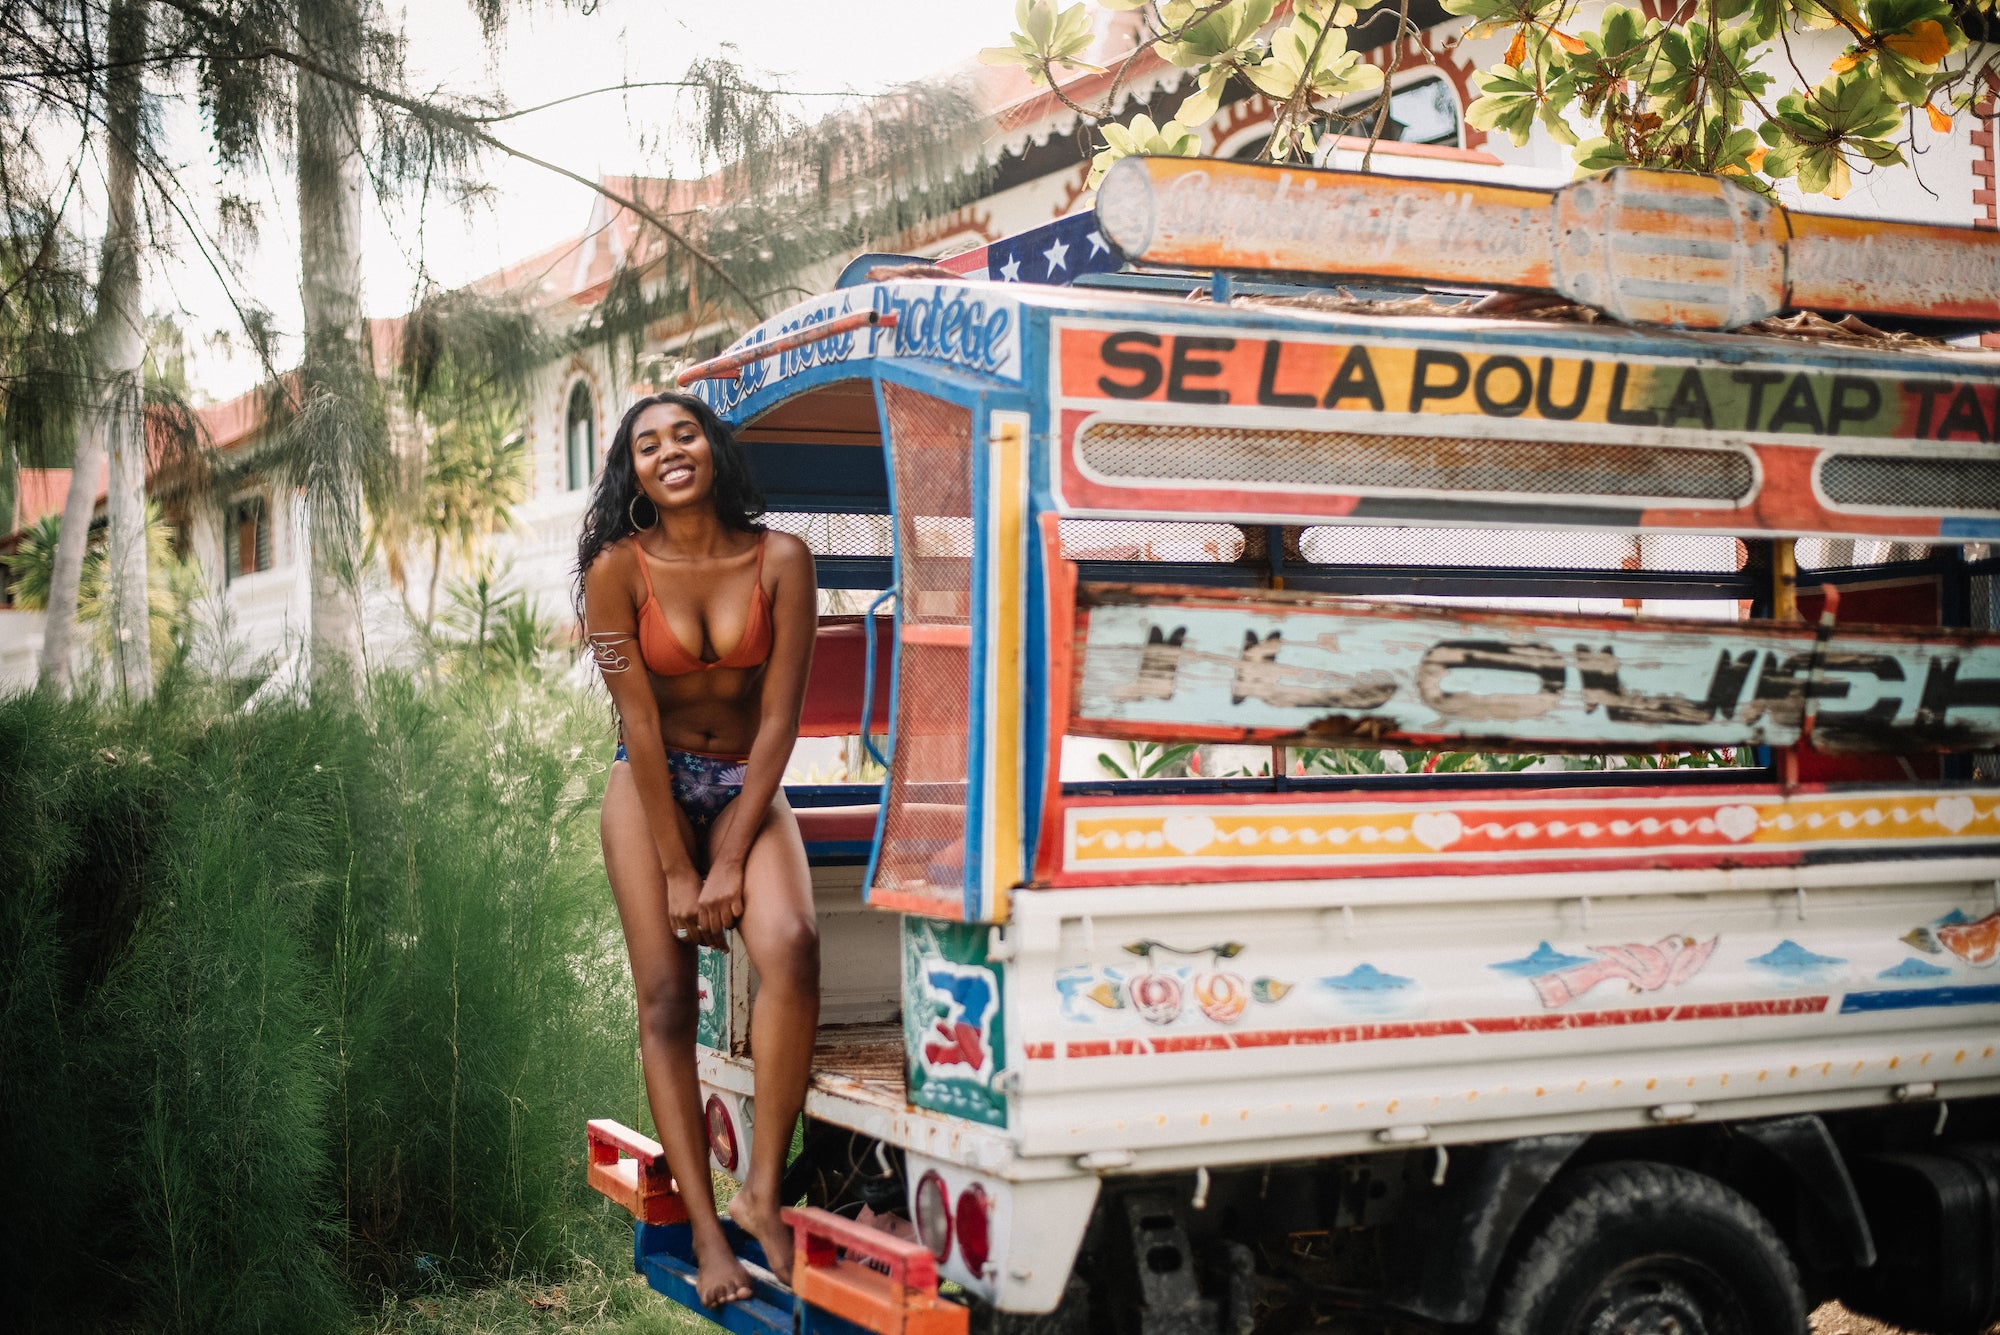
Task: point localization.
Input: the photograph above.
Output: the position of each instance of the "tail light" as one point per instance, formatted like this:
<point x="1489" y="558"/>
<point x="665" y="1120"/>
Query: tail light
<point x="934" y="1215"/>
<point x="975" y="1227"/>
<point x="721" y="1134"/>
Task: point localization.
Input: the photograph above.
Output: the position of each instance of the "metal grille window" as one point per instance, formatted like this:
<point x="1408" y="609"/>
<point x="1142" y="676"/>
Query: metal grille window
<point x="246" y="537"/>
<point x="1347" y="461"/>
<point x="923" y="835"/>
<point x="1877" y="481"/>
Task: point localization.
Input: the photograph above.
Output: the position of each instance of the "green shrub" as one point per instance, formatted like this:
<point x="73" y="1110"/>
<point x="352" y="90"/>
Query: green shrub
<point x="303" y="1005"/>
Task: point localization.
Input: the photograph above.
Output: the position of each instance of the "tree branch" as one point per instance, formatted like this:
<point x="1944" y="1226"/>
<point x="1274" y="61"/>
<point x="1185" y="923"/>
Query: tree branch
<point x="468" y="128"/>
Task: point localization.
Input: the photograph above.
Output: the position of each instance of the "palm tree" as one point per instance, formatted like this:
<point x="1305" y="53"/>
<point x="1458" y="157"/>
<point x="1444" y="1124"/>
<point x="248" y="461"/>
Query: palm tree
<point x="172" y="584"/>
<point x="475" y="472"/>
<point x="112" y="424"/>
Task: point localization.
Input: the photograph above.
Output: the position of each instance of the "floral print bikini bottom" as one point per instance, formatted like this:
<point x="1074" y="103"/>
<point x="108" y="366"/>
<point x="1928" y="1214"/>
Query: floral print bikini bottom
<point x="703" y="783"/>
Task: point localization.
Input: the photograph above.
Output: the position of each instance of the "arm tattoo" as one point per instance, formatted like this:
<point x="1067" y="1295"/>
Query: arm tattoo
<point x="604" y="649"/>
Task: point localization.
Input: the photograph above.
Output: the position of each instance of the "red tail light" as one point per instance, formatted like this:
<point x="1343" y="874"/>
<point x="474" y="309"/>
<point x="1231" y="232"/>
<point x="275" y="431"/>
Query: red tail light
<point x="721" y="1133"/>
<point x="975" y="1227"/>
<point x="934" y="1215"/>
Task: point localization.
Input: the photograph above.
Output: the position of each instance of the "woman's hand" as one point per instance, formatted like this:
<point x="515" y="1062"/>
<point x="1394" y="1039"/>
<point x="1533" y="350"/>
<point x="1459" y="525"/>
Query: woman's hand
<point x="684" y="903"/>
<point x="721" y="903"/>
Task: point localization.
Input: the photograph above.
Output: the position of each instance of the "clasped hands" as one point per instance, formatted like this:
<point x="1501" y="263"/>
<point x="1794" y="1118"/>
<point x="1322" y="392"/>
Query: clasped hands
<point x="703" y="909"/>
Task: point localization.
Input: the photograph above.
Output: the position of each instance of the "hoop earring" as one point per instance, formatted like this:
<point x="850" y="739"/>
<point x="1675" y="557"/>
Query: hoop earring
<point x="631" y="513"/>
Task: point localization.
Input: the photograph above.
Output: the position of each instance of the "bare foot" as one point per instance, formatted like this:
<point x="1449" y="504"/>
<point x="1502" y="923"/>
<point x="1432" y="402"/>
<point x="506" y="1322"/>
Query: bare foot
<point x="760" y="1219"/>
<point x="721" y="1278"/>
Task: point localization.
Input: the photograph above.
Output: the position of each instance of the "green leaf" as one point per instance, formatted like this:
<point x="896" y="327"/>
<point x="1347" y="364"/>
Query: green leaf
<point x="1599" y="155"/>
<point x="1201" y="105"/>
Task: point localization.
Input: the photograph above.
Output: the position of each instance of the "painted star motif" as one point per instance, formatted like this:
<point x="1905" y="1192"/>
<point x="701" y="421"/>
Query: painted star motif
<point x="1011" y="270"/>
<point x="1057" y="255"/>
<point x="1096" y="244"/>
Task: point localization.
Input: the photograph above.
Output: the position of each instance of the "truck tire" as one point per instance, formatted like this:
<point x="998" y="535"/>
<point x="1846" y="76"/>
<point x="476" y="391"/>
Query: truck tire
<point x="1649" y="1249"/>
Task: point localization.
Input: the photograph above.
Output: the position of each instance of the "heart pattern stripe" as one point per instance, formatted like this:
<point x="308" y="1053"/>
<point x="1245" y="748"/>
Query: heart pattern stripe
<point x="1342" y="834"/>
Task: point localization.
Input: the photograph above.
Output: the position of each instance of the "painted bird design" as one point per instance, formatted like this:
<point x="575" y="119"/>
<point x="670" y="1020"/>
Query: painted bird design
<point x="1977" y="943"/>
<point x="1671" y="959"/>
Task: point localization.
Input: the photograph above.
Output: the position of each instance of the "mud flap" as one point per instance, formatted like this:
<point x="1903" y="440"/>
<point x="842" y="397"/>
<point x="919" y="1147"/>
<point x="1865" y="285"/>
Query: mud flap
<point x="1445" y="1248"/>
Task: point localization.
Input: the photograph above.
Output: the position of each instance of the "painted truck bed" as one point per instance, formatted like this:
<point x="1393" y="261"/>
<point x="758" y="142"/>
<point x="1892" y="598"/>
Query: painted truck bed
<point x="1188" y="1025"/>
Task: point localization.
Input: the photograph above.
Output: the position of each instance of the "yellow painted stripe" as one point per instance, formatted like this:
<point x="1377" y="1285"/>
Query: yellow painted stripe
<point x="1006" y="603"/>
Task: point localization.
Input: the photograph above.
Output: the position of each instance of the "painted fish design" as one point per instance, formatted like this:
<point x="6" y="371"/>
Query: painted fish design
<point x="1671" y="959"/>
<point x="1977" y="943"/>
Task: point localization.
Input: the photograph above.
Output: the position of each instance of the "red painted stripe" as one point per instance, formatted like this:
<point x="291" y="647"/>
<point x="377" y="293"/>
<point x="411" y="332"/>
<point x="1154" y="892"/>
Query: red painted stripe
<point x="1375" y="1033"/>
<point x="1444" y="864"/>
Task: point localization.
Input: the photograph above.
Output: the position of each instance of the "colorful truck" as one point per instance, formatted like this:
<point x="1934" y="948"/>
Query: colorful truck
<point x="1397" y="800"/>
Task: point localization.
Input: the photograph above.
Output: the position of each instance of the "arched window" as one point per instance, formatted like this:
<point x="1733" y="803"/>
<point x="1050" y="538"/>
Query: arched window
<point x="580" y="432"/>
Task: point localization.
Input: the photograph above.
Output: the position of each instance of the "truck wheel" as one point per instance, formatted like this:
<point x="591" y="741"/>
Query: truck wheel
<point x="1649" y="1249"/>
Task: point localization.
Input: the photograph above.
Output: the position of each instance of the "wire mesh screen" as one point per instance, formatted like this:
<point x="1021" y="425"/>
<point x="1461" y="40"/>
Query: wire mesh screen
<point x="1351" y="460"/>
<point x="836" y="534"/>
<point x="1358" y="544"/>
<point x="1838" y="553"/>
<point x="923" y="834"/>
<point x="1911" y="484"/>
<point x="1148" y="540"/>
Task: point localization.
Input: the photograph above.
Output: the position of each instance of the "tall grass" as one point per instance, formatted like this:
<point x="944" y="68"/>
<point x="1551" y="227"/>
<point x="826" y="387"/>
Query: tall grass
<point x="299" y="1007"/>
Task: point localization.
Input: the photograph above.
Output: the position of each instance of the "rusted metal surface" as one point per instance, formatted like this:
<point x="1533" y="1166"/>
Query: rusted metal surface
<point x="1205" y="213"/>
<point x="867" y="1054"/>
<point x="1666" y="248"/>
<point x="1163" y="662"/>
<point x="730" y="365"/>
<point x="1877" y="268"/>
<point x="1645" y="247"/>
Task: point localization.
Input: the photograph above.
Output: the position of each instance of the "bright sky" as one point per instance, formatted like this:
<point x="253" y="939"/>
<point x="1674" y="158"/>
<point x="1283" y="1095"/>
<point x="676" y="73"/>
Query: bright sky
<point x="549" y="51"/>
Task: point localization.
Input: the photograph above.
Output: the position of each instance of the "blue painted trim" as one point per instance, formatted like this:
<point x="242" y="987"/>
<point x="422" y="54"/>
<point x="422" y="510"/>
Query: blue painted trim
<point x="978" y="717"/>
<point x="895" y="675"/>
<point x="1037" y="722"/>
<point x="664" y="1254"/>
<point x="1951" y="527"/>
<point x="868" y="680"/>
<point x="1919" y="998"/>
<point x="856" y="272"/>
<point x="854" y="572"/>
<point x="812" y="378"/>
<point x="839" y="852"/>
<point x="831" y="794"/>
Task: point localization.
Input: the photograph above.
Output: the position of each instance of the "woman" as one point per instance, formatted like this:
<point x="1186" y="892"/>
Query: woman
<point x="701" y="622"/>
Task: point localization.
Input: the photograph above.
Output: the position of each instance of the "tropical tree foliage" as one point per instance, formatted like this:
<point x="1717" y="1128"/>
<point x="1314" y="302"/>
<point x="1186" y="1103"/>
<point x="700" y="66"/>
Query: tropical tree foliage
<point x="1714" y="86"/>
<point x="172" y="584"/>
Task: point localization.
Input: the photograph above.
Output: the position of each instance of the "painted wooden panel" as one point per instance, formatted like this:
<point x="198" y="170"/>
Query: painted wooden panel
<point x="1328" y="835"/>
<point x="1215" y="416"/>
<point x="1644" y="246"/>
<point x="1194" y="664"/>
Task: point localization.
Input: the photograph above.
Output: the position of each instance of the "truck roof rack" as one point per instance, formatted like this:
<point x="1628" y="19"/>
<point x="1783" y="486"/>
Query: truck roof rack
<point x="1644" y="247"/>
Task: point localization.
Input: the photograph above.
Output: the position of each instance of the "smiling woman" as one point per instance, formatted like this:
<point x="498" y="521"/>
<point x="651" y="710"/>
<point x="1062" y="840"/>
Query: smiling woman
<point x="701" y="622"/>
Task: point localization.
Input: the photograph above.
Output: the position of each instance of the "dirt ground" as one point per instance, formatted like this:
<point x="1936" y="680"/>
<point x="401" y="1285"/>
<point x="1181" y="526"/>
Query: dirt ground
<point x="1833" y="1319"/>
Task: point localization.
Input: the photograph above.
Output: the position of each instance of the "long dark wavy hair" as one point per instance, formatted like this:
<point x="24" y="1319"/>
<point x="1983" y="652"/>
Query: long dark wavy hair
<point x="738" y="503"/>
